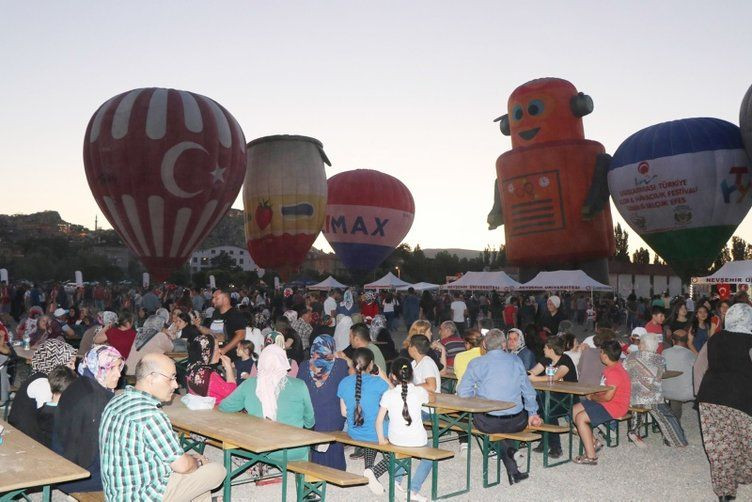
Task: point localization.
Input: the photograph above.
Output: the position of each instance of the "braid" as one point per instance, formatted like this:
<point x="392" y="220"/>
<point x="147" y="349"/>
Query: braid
<point x="405" y="409"/>
<point x="358" y="416"/>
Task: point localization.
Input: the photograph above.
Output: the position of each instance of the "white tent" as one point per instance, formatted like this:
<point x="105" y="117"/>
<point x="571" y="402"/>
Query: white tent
<point x="564" y="280"/>
<point x="327" y="284"/>
<point x="420" y="286"/>
<point x="474" y="281"/>
<point x="389" y="281"/>
<point x="733" y="272"/>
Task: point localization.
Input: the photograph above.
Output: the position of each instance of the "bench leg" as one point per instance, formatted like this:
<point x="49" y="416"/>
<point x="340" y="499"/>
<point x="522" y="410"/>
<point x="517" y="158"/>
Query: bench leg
<point x="485" y="450"/>
<point x="304" y="488"/>
<point x="396" y="464"/>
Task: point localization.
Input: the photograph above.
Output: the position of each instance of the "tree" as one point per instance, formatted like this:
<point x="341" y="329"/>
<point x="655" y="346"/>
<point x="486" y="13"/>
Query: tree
<point x="723" y="257"/>
<point x="642" y="256"/>
<point x="622" y="244"/>
<point x="657" y="260"/>
<point x="739" y="249"/>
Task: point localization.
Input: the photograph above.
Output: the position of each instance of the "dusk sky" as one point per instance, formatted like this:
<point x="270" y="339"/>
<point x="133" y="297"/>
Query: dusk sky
<point x="407" y="88"/>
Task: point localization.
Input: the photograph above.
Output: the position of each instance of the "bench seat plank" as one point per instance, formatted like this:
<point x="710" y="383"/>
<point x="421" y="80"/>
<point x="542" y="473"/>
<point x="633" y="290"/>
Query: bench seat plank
<point x="425" y="452"/>
<point x="323" y="473"/>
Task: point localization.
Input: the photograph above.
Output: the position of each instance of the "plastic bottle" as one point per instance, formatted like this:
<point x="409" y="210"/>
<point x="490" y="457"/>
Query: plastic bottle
<point x="26" y="342"/>
<point x="550" y="372"/>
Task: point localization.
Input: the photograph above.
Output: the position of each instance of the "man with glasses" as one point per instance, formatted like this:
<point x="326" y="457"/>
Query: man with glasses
<point x="141" y="456"/>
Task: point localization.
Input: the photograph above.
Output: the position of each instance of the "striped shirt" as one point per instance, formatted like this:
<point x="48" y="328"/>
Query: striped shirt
<point x="137" y="446"/>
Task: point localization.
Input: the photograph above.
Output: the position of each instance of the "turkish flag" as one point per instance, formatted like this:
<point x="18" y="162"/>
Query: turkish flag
<point x="724" y="291"/>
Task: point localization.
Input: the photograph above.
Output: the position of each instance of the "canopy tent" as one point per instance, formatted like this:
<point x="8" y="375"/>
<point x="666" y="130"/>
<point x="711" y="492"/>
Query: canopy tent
<point x="389" y="281"/>
<point x="420" y="286"/>
<point x="733" y="272"/>
<point x="564" y="280"/>
<point x="327" y="284"/>
<point x="474" y="281"/>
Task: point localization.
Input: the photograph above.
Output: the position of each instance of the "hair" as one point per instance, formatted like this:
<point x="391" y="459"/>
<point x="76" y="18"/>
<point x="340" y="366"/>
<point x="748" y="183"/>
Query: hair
<point x="402" y="371"/>
<point x="60" y="378"/>
<point x="419" y="327"/>
<point x="556" y="344"/>
<point x="612" y="349"/>
<point x="450" y="326"/>
<point x="421" y="344"/>
<point x="473" y="337"/>
<point x="650" y="342"/>
<point x="361" y="331"/>
<point x="248" y="345"/>
<point x="657" y="309"/>
<point x="362" y="358"/>
<point x="696" y="319"/>
<point x="146" y="367"/>
<point x="568" y="338"/>
<point x="679" y="336"/>
<point x="185" y="318"/>
<point x="124" y="317"/>
<point x="494" y="340"/>
<point x="602" y="336"/>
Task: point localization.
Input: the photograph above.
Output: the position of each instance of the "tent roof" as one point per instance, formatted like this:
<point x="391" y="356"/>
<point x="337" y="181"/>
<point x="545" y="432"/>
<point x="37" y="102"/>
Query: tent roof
<point x="733" y="272"/>
<point x="419" y="286"/>
<point x="327" y="284"/>
<point x="483" y="281"/>
<point x="564" y="280"/>
<point x="389" y="281"/>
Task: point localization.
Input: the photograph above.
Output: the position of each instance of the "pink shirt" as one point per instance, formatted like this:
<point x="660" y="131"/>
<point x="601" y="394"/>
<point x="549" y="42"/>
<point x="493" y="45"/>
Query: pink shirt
<point x="219" y="388"/>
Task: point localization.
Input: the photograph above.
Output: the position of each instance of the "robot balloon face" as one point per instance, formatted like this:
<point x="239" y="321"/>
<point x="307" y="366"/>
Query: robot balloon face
<point x="540" y="111"/>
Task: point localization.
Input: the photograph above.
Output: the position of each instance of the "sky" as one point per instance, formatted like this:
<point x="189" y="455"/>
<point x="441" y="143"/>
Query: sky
<point x="407" y="88"/>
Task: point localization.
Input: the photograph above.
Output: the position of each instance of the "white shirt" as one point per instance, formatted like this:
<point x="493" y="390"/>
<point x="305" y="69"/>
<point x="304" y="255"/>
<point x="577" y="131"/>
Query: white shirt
<point x="399" y="432"/>
<point x="254" y="335"/>
<point x="389" y="306"/>
<point x="330" y="304"/>
<point x="458" y="310"/>
<point x="425" y="369"/>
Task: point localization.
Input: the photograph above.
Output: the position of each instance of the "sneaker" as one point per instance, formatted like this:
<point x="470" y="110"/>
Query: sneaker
<point x="555" y="453"/>
<point x="358" y="453"/>
<point x="635" y="439"/>
<point x="373" y="483"/>
<point x="417" y="497"/>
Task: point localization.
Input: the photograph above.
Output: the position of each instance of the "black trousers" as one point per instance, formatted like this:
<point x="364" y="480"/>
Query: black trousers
<point x="504" y="423"/>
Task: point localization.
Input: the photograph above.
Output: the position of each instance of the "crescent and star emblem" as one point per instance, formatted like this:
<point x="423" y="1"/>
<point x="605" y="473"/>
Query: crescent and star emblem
<point x="167" y="170"/>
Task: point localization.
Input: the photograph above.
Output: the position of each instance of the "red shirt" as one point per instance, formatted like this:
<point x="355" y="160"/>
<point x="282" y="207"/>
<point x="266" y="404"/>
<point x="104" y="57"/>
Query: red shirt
<point x="369" y="310"/>
<point x="617" y="376"/>
<point x="122" y="340"/>
<point x="510" y="315"/>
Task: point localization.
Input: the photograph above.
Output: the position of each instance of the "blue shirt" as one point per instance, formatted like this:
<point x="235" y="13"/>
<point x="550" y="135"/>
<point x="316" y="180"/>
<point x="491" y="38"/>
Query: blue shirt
<point x="371" y="390"/>
<point x="499" y="376"/>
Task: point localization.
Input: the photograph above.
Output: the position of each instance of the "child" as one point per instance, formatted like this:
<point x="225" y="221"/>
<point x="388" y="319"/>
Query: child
<point x="403" y="403"/>
<point x="359" y="396"/>
<point x="243" y="366"/>
<point x="425" y="372"/>
<point x="60" y="378"/>
<point x="655" y="324"/>
<point x="604" y="406"/>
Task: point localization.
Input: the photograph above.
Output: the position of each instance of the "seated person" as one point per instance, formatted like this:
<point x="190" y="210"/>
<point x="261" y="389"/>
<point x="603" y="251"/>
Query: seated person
<point x="120" y="336"/>
<point x="604" y="406"/>
<point x="202" y="377"/>
<point x="437" y="351"/>
<point x="360" y="338"/>
<point x="473" y="341"/>
<point x="278" y="339"/>
<point x="151" y="339"/>
<point x="516" y="345"/>
<point x="590" y="367"/>
<point x="501" y="376"/>
<point x="60" y="378"/>
<point x="679" y="357"/>
<point x="244" y="363"/>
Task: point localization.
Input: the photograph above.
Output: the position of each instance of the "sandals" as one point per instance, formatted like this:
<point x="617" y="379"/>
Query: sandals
<point x="585" y="460"/>
<point x="598" y="445"/>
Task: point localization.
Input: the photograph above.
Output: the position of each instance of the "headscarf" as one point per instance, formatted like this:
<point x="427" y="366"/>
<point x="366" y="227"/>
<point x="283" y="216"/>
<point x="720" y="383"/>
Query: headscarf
<point x="739" y="319"/>
<point x="200" y="353"/>
<point x="107" y="317"/>
<point x="272" y="377"/>
<point x="369" y="296"/>
<point x="51" y="353"/>
<point x="151" y="327"/>
<point x="342" y="332"/>
<point x="520" y="340"/>
<point x="555" y="300"/>
<point x="164" y="314"/>
<point x="322" y="358"/>
<point x="99" y="361"/>
<point x="377" y="324"/>
<point x="347" y="300"/>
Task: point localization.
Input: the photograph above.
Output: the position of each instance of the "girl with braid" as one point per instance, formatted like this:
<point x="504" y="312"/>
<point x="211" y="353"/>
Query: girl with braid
<point x="403" y="404"/>
<point x="359" y="395"/>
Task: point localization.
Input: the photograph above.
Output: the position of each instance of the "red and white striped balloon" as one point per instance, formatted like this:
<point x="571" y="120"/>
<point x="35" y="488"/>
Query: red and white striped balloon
<point x="164" y="166"/>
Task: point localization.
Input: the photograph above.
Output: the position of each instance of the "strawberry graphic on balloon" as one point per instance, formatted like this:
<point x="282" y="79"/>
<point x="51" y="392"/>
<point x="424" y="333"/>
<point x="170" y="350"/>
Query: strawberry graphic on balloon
<point x="263" y="214"/>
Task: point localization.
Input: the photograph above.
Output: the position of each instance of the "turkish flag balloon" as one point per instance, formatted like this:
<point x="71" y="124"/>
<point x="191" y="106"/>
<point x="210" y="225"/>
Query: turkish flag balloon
<point x="164" y="166"/>
<point x="724" y="291"/>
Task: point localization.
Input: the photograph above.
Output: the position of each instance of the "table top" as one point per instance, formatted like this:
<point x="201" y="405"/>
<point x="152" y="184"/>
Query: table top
<point x="470" y="404"/>
<point x="671" y="374"/>
<point x="177" y="355"/>
<point x="21" y="458"/>
<point x="580" y="389"/>
<point x="241" y="430"/>
<point x="24" y="353"/>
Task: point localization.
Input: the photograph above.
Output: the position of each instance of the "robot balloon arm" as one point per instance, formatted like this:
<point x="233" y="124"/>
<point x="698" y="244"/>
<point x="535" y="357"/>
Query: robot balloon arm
<point x="495" y="216"/>
<point x="597" y="196"/>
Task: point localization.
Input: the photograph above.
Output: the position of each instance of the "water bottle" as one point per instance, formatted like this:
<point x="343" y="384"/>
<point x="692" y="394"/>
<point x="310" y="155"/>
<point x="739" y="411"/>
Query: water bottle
<point x="26" y="342"/>
<point x="550" y="372"/>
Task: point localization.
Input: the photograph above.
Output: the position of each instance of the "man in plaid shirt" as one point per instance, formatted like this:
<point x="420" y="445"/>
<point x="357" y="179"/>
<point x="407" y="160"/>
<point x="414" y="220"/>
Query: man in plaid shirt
<point x="142" y="459"/>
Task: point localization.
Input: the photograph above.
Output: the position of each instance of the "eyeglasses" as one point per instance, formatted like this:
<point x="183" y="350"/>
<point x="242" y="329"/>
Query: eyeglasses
<point x="174" y="378"/>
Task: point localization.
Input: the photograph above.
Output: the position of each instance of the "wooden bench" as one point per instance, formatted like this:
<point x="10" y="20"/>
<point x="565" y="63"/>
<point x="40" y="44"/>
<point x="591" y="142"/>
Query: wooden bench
<point x="88" y="496"/>
<point x="311" y="479"/>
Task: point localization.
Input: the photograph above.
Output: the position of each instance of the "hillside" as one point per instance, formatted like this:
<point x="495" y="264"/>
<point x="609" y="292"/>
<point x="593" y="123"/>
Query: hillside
<point x="461" y="253"/>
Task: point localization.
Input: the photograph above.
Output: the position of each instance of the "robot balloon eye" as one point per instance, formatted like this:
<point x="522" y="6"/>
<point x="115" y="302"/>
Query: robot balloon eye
<point x="535" y="107"/>
<point x="517" y="112"/>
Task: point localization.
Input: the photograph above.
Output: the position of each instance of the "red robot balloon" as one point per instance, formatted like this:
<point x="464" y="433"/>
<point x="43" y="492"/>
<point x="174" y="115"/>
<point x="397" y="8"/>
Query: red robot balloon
<point x="551" y="192"/>
<point x="164" y="166"/>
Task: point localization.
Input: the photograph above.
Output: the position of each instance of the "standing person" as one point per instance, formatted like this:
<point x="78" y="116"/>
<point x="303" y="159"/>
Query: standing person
<point x="655" y="324"/>
<point x="120" y="336"/>
<point x="388" y="306"/>
<point x="459" y="312"/>
<point x="679" y="357"/>
<point x="516" y="345"/>
<point x="555" y="315"/>
<point x="322" y="374"/>
<point x="725" y="400"/>
<point x="330" y="304"/>
<point x="701" y="329"/>
<point x="142" y="458"/>
<point x="581" y="306"/>
<point x="410" y="307"/>
<point x="202" y="379"/>
<point x="227" y="322"/>
<point x="511" y="312"/>
<point x="679" y="319"/>
<point x="427" y="308"/>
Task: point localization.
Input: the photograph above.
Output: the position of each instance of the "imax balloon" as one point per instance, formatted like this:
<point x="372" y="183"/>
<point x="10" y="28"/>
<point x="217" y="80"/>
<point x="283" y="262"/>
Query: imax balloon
<point x="684" y="187"/>
<point x="164" y="166"/>
<point x="367" y="216"/>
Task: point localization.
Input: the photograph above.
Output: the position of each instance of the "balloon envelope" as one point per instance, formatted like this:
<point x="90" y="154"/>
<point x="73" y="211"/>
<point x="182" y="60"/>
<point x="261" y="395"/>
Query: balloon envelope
<point x="164" y="166"/>
<point x="367" y="216"/>
<point x="684" y="187"/>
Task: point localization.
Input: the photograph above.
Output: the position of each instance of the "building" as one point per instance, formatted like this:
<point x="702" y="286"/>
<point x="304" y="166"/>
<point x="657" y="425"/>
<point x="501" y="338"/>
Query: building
<point x="202" y="258"/>
<point x="644" y="279"/>
<point x="323" y="263"/>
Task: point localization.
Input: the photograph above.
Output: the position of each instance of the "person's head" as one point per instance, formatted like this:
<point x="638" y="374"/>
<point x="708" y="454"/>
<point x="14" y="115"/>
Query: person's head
<point x="554" y="347"/>
<point x="60" y="378"/>
<point x="658" y="314"/>
<point x="104" y="364"/>
<point x="473" y="338"/>
<point x="515" y="339"/>
<point x="739" y="319"/>
<point x="402" y="374"/>
<point x="244" y="349"/>
<point x="495" y="340"/>
<point x="649" y="342"/>
<point x="43" y="323"/>
<point x="419" y="347"/>
<point x="156" y="375"/>
<point x="553" y="303"/>
<point x="610" y="352"/>
<point x="337" y="294"/>
<point x="221" y="300"/>
<point x="411" y="290"/>
<point x="680" y="337"/>
<point x="182" y="320"/>
<point x="273" y="366"/>
<point x="723" y="308"/>
<point x="570" y="341"/>
<point x="51" y="353"/>
<point x="125" y="320"/>
<point x="702" y="314"/>
<point x="637" y="333"/>
<point x="362" y="363"/>
<point x="447" y="329"/>
<point x="419" y="327"/>
<point x="360" y="335"/>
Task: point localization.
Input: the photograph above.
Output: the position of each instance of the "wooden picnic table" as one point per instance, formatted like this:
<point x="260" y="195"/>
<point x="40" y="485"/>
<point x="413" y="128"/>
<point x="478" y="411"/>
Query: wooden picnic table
<point x="24" y="353"/>
<point x="246" y="436"/>
<point x="177" y="356"/>
<point x="27" y="463"/>
<point x="450" y="411"/>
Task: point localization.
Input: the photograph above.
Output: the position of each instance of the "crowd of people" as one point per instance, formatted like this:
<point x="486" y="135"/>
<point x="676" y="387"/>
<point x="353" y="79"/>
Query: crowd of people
<point x="329" y="361"/>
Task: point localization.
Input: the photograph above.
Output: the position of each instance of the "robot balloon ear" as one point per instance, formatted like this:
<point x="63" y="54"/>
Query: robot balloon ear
<point x="581" y="104"/>
<point x="503" y="124"/>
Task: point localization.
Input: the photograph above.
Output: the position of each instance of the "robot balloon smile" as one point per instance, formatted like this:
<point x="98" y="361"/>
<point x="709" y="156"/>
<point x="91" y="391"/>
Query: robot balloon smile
<point x="529" y="134"/>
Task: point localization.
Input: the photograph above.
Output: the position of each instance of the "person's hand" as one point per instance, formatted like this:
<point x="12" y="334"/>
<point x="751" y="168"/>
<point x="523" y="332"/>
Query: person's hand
<point x="383" y="441"/>
<point x="534" y="421"/>
<point x="244" y="375"/>
<point x="225" y="360"/>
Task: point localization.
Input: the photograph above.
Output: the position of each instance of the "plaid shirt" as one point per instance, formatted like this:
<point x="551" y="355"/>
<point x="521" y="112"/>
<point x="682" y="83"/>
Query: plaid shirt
<point x="137" y="446"/>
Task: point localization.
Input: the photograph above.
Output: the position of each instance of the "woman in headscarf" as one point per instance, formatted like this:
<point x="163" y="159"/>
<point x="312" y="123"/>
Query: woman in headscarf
<point x="104" y="321"/>
<point x="203" y="378"/>
<point x="725" y="400"/>
<point x="382" y="337"/>
<point x="369" y="307"/>
<point x="322" y="374"/>
<point x="516" y="345"/>
<point x="342" y="332"/>
<point x="79" y="411"/>
<point x="151" y="339"/>
<point x="274" y="395"/>
<point x="43" y="331"/>
<point x="278" y="339"/>
<point x="35" y="392"/>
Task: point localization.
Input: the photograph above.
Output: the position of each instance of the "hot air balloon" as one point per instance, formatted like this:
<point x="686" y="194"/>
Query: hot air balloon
<point x="745" y="121"/>
<point x="684" y="187"/>
<point x="164" y="166"/>
<point x="284" y="198"/>
<point x="367" y="216"/>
